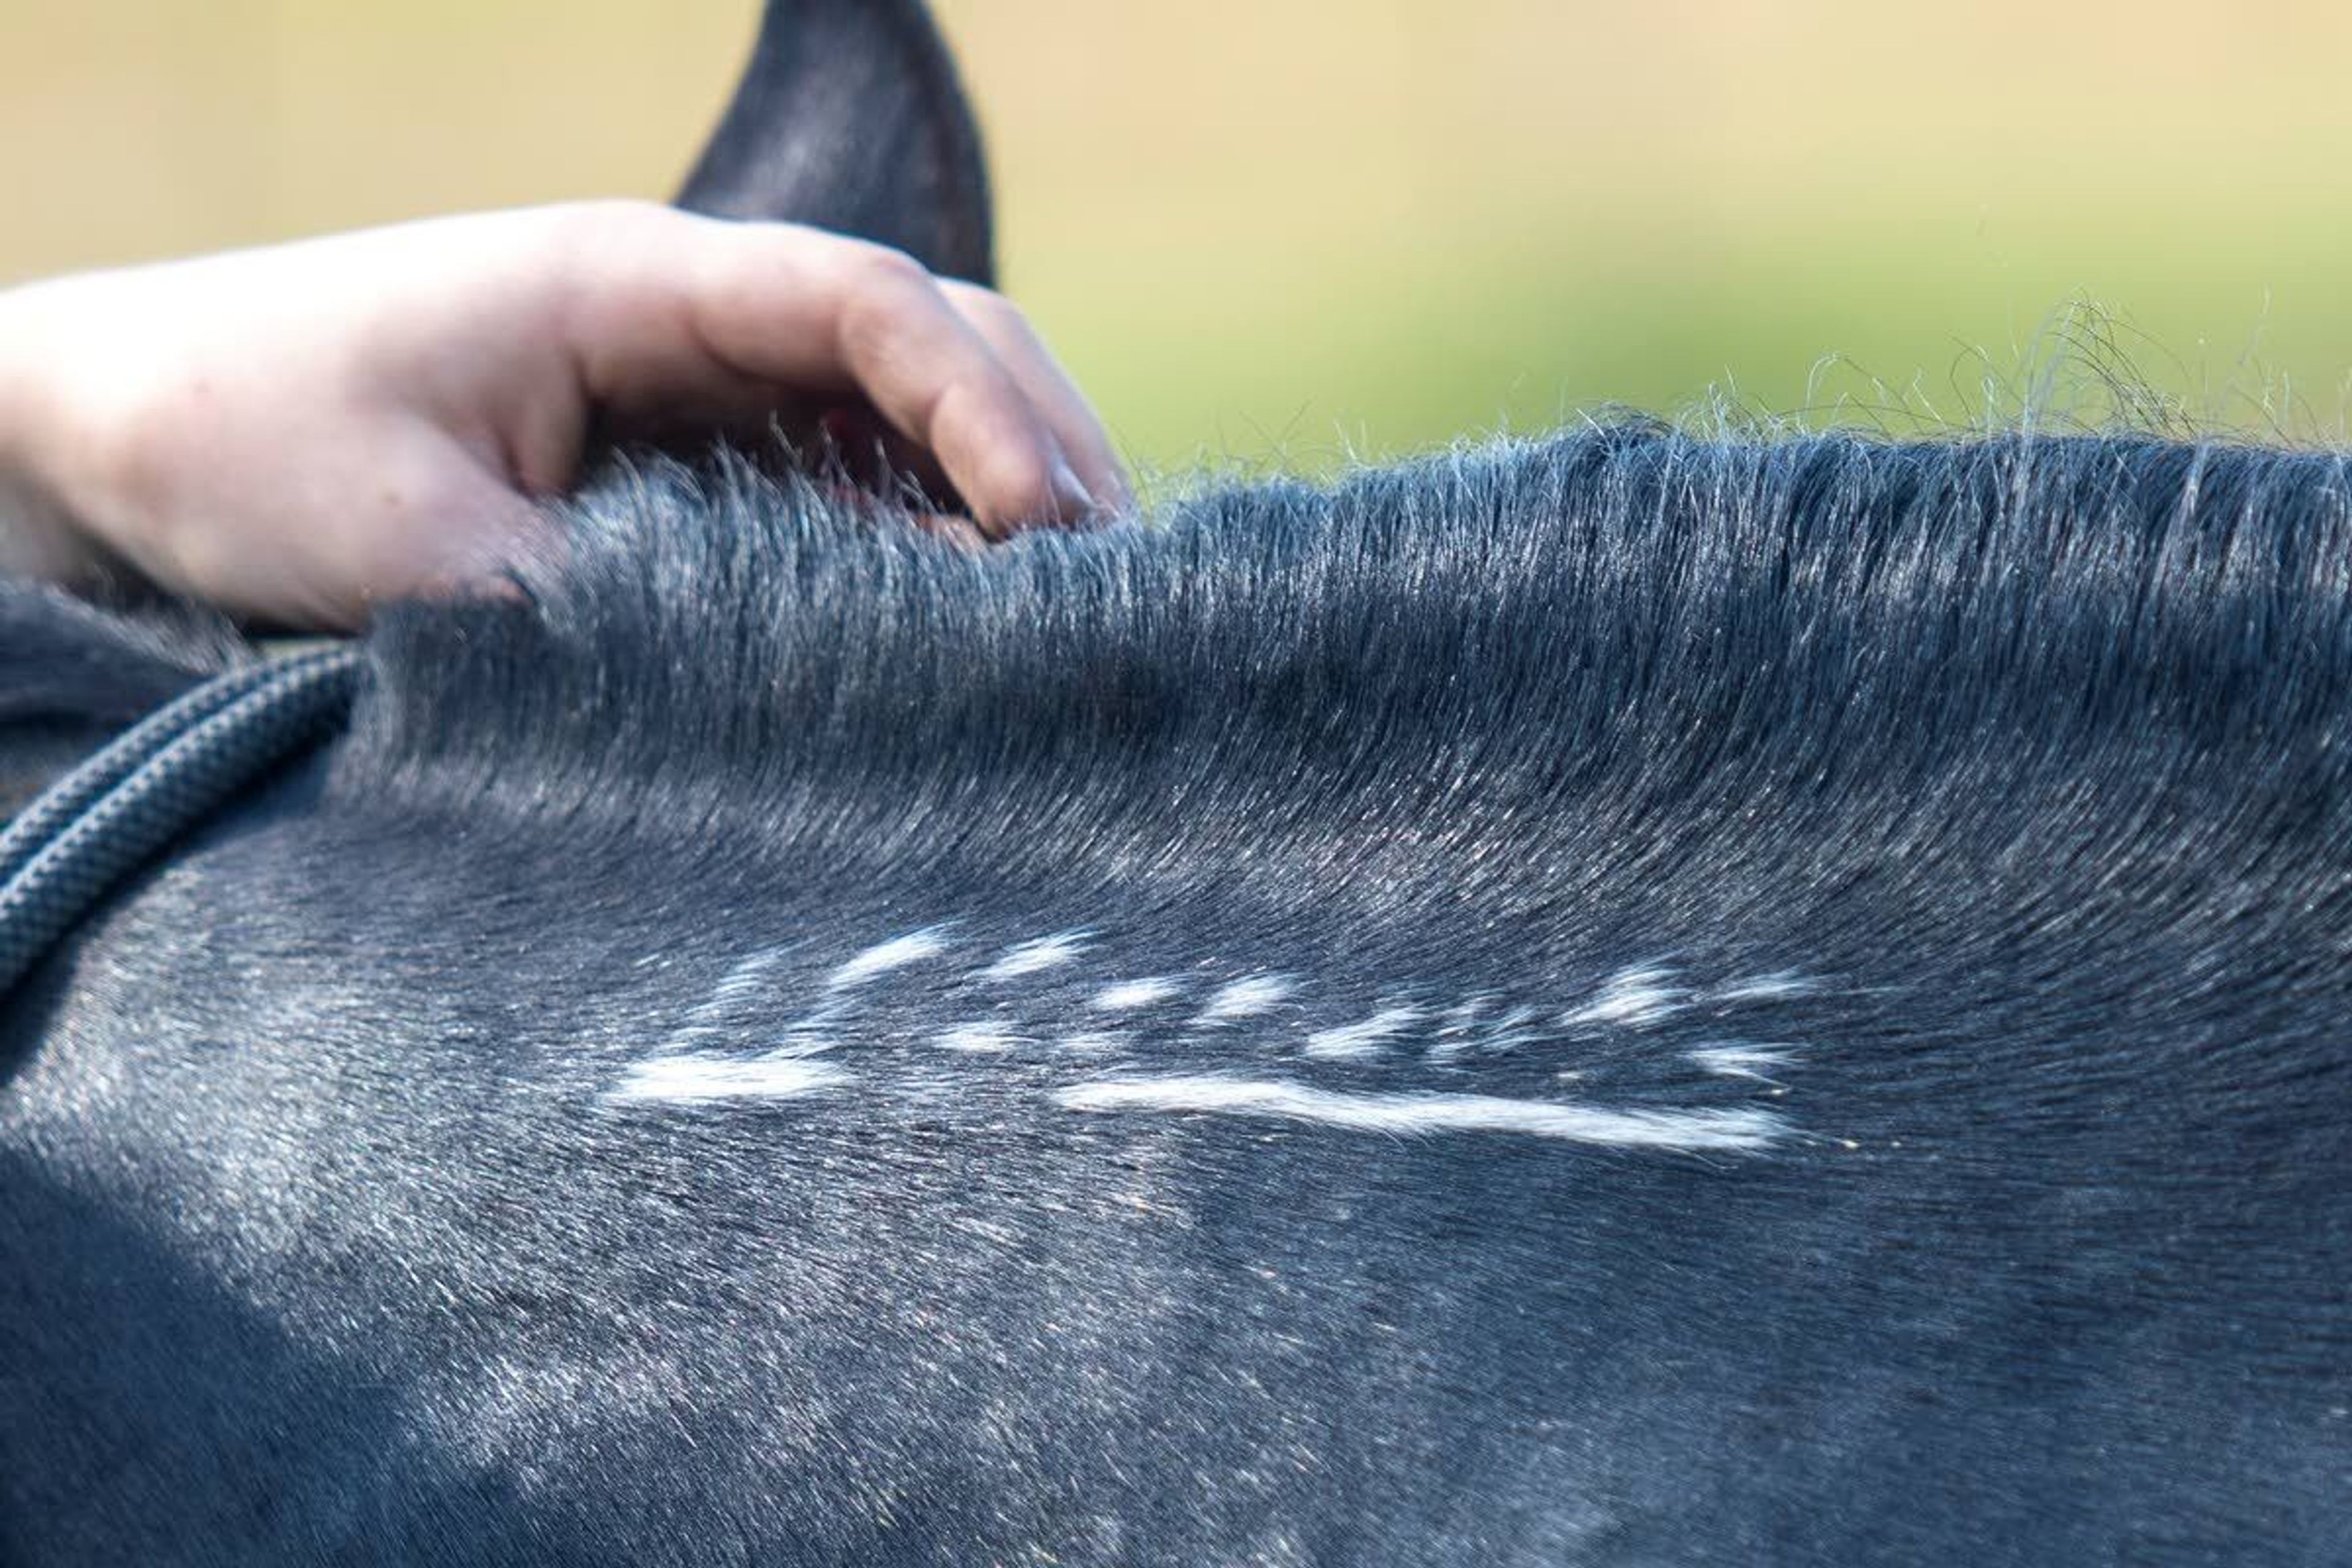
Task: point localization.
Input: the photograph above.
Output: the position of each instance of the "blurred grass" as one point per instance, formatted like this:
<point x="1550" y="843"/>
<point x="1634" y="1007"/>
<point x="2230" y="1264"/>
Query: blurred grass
<point x="1283" y="232"/>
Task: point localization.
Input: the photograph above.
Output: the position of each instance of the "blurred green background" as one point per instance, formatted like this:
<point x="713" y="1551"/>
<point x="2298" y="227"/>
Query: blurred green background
<point x="1270" y="231"/>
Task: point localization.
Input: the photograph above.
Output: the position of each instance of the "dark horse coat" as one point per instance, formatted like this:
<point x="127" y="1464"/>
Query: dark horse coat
<point x="1632" y="1000"/>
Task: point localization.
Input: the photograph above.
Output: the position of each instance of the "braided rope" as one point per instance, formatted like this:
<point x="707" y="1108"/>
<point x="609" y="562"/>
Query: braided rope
<point x="82" y="835"/>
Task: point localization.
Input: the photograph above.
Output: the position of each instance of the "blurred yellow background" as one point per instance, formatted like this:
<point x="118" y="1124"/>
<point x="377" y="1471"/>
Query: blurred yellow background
<point x="1277" y="231"/>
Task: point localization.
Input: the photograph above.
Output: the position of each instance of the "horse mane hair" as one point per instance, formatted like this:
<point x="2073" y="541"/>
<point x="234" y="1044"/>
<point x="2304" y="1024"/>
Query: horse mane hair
<point x="1626" y="620"/>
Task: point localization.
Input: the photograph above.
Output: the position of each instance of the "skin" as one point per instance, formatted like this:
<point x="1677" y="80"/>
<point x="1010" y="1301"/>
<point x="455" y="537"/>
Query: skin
<point x="295" y="434"/>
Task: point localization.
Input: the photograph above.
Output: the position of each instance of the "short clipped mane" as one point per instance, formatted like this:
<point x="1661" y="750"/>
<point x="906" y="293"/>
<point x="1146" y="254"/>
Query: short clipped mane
<point x="1621" y="621"/>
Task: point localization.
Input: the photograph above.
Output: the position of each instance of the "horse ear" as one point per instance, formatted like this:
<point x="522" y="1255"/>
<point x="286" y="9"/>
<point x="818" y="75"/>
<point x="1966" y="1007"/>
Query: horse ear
<point x="850" y="117"/>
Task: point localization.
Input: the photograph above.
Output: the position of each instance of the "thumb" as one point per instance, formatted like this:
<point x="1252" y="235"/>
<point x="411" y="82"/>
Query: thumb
<point x="438" y="523"/>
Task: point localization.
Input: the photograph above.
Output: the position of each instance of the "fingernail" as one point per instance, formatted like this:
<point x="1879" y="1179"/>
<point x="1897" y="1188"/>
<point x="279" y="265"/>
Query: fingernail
<point x="1073" y="502"/>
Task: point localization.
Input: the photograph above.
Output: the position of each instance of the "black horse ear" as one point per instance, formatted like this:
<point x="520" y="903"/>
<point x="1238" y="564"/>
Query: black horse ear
<point x="850" y="117"/>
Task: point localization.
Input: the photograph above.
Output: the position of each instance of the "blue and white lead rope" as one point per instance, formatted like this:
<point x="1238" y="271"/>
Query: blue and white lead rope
<point x="69" y="846"/>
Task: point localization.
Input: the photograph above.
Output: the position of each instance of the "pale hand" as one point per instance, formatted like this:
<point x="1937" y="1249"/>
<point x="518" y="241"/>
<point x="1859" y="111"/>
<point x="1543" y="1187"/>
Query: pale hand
<point x="298" y="433"/>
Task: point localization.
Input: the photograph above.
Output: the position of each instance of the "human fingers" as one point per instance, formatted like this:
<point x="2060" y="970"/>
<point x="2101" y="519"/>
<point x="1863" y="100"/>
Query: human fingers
<point x="1075" y="426"/>
<point x="427" y="518"/>
<point x="671" y="302"/>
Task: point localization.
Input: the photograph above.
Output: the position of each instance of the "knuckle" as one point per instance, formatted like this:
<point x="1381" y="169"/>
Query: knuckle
<point x="994" y="315"/>
<point x="875" y="278"/>
<point x="885" y="269"/>
<point x="886" y="293"/>
<point x="1016" y="478"/>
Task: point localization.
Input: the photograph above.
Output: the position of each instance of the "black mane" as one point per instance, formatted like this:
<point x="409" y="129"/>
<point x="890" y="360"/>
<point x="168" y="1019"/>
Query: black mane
<point x="1626" y="631"/>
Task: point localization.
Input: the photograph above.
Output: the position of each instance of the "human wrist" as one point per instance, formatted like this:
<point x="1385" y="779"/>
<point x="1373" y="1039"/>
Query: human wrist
<point x="39" y="536"/>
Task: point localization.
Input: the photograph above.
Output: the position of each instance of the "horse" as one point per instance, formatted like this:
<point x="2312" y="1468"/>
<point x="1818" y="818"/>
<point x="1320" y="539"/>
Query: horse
<point x="1638" y="997"/>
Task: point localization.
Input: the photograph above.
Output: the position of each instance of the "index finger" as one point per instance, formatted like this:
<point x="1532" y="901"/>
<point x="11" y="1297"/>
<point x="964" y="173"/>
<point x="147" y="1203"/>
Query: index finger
<point x="688" y="303"/>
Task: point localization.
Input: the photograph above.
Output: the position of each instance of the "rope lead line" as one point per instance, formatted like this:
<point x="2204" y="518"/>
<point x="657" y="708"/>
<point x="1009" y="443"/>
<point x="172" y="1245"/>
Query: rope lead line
<point x="82" y="835"/>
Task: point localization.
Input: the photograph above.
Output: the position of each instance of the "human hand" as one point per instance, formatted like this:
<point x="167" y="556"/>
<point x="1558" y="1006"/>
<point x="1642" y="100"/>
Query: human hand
<point x="296" y="433"/>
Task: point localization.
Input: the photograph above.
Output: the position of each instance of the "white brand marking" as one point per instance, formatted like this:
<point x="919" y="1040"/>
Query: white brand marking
<point x="884" y="957"/>
<point x="1031" y="957"/>
<point x="1765" y="987"/>
<point x="1351" y="1042"/>
<point x="978" y="1035"/>
<point x="688" y="1081"/>
<point x="743" y="979"/>
<point x="1129" y="994"/>
<point x="1245" y="998"/>
<point x="1093" y="1042"/>
<point x="813" y="1032"/>
<point x="740" y="982"/>
<point x="1465" y="1028"/>
<point x="1692" y="1130"/>
<point x="1741" y="1061"/>
<point x="1637" y="995"/>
